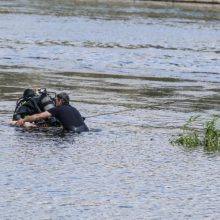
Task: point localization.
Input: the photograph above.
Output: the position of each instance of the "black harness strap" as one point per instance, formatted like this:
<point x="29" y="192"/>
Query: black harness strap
<point x="36" y="105"/>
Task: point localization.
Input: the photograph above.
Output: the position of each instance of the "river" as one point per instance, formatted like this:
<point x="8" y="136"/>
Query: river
<point x="158" y="61"/>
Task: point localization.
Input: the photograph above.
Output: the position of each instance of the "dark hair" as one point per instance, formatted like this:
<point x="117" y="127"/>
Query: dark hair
<point x="28" y="93"/>
<point x="64" y="97"/>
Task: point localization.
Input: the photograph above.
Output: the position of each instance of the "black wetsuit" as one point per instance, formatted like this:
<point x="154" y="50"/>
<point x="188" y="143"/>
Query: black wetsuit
<point x="27" y="107"/>
<point x="69" y="117"/>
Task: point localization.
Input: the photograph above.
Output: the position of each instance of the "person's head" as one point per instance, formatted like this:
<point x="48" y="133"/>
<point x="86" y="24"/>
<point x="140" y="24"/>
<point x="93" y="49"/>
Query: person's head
<point x="62" y="98"/>
<point x="28" y="93"/>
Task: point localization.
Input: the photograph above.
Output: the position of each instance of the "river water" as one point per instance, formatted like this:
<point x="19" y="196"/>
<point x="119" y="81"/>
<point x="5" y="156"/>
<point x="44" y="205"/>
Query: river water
<point x="159" y="61"/>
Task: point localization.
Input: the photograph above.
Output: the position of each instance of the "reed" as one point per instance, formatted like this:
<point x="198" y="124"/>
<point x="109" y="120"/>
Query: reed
<point x="192" y="137"/>
<point x="189" y="136"/>
<point x="211" y="140"/>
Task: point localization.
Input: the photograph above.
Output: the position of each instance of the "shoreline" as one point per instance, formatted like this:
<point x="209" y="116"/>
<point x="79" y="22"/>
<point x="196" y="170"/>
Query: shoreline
<point x="206" y="2"/>
<point x="214" y="2"/>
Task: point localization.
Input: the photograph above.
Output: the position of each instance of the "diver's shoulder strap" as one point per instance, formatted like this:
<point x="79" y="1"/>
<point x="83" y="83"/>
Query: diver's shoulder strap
<point x="35" y="103"/>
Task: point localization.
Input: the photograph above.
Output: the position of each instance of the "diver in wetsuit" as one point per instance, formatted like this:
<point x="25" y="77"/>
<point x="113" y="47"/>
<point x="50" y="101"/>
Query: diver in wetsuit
<point x="25" y="105"/>
<point x="32" y="103"/>
<point x="69" y="117"/>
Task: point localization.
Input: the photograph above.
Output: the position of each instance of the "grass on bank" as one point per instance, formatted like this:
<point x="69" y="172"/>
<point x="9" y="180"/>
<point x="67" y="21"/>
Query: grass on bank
<point x="191" y="137"/>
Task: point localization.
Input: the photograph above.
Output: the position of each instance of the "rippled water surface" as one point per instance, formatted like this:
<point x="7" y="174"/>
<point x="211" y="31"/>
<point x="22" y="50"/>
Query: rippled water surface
<point x="159" y="62"/>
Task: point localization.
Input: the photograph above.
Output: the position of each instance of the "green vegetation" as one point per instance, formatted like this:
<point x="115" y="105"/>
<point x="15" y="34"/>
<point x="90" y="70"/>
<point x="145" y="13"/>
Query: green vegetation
<point x="191" y="137"/>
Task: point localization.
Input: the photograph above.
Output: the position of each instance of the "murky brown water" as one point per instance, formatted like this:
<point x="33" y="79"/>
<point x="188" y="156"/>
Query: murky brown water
<point x="161" y="61"/>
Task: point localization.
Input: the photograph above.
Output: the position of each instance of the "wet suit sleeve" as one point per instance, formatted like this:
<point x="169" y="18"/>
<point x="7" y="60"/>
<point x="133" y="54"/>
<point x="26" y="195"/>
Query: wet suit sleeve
<point x="21" y="112"/>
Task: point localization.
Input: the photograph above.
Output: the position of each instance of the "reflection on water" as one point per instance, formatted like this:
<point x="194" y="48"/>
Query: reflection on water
<point x="159" y="62"/>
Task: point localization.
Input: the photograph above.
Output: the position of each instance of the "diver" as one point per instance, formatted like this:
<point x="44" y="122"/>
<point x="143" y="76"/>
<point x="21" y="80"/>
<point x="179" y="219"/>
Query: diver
<point x="69" y="117"/>
<point x="33" y="102"/>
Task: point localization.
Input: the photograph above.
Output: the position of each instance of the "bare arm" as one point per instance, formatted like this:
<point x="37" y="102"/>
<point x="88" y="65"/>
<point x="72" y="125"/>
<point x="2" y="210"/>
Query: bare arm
<point x="34" y="117"/>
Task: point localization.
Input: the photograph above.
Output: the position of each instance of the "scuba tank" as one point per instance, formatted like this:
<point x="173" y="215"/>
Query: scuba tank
<point x="45" y="103"/>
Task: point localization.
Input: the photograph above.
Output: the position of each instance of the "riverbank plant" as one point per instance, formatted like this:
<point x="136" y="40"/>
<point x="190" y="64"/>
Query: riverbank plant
<point x="189" y="135"/>
<point x="192" y="137"/>
<point x="211" y="140"/>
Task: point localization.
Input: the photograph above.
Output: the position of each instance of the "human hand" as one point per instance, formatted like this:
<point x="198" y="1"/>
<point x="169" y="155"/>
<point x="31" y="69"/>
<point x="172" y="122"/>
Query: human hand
<point x="20" y="122"/>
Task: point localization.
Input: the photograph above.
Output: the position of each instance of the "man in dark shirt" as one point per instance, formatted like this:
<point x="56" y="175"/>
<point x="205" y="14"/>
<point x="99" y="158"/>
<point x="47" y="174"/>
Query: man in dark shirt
<point x="69" y="117"/>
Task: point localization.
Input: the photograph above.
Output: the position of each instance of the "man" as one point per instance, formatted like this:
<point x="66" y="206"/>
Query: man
<point x="69" y="117"/>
